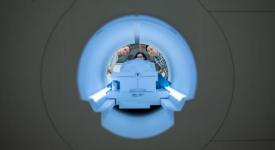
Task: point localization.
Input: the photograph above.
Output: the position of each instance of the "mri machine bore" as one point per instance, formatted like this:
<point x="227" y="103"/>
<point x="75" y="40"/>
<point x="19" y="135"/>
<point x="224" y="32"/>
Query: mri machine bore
<point x="134" y="87"/>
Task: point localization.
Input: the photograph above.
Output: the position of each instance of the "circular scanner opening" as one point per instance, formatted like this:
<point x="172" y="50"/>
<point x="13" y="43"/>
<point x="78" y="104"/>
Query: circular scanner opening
<point x="131" y="52"/>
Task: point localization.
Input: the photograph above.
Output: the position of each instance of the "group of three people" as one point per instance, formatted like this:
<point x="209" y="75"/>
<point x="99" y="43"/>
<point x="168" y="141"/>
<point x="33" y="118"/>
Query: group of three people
<point x="123" y="54"/>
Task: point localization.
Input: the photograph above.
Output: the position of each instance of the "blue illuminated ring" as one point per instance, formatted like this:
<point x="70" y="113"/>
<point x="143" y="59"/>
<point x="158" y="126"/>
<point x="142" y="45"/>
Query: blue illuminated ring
<point x="118" y="33"/>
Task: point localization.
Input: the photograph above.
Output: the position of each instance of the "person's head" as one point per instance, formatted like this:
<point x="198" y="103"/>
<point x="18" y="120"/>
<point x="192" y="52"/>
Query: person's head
<point x="124" y="51"/>
<point x="151" y="51"/>
<point x="141" y="56"/>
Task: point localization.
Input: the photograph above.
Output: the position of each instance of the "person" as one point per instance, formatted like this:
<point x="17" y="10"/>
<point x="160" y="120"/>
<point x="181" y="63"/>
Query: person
<point x="122" y="55"/>
<point x="159" y="61"/>
<point x="140" y="55"/>
<point x="124" y="51"/>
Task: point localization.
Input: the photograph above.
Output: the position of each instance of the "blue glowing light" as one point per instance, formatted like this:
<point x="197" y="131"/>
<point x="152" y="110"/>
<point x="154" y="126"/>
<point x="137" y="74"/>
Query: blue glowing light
<point x="151" y="31"/>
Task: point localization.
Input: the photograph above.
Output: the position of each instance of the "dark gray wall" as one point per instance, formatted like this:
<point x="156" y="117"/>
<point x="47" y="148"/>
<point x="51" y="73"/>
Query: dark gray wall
<point x="232" y="41"/>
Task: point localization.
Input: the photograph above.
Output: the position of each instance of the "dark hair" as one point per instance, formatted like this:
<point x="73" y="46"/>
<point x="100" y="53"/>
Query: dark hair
<point x="146" y="47"/>
<point x="144" y="56"/>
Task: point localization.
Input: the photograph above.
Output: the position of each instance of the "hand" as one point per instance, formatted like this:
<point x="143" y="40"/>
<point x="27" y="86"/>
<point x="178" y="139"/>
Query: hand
<point x="161" y="71"/>
<point x="119" y="52"/>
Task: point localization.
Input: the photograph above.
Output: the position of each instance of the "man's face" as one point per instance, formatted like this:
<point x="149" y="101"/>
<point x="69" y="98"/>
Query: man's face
<point x="152" y="51"/>
<point x="125" y="51"/>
